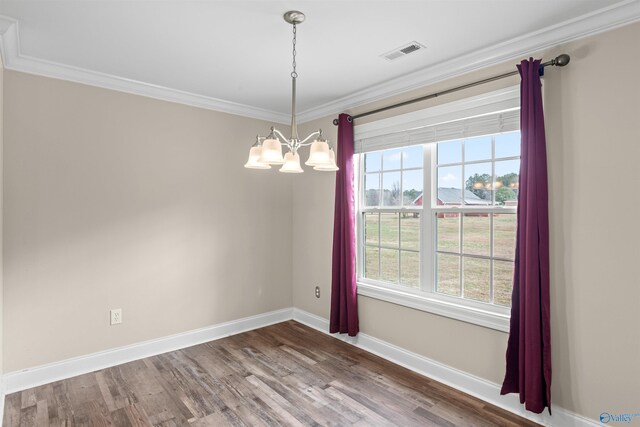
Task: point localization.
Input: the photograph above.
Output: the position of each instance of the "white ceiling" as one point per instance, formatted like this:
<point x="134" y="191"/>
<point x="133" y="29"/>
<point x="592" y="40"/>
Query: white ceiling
<point x="239" y="52"/>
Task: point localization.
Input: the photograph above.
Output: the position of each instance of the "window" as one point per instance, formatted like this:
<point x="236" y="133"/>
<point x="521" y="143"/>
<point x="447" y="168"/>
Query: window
<point x="393" y="183"/>
<point x="475" y="217"/>
<point x="436" y="214"/>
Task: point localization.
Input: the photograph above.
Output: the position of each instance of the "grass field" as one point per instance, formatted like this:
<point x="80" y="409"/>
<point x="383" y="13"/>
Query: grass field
<point x="400" y="234"/>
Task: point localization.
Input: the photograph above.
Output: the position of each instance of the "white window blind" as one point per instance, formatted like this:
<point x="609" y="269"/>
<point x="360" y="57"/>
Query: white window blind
<point x="505" y="121"/>
<point x="491" y="113"/>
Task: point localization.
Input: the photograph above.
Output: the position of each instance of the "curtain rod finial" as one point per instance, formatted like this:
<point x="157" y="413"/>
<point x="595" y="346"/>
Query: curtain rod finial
<point x="349" y="119"/>
<point x="562" y="60"/>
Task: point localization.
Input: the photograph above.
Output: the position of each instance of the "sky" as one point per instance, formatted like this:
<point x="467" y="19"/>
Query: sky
<point x="448" y="153"/>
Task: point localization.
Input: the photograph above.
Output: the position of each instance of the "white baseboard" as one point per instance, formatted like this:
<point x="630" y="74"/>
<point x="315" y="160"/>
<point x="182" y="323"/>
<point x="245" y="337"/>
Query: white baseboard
<point x="44" y="374"/>
<point x="475" y="386"/>
<point x="470" y="384"/>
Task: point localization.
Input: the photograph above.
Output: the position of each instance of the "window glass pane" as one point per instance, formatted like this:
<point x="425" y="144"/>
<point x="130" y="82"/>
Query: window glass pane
<point x="371" y="235"/>
<point x="372" y="189"/>
<point x="372" y="161"/>
<point x="477" y="148"/>
<point x="410" y="230"/>
<point x="450" y="180"/>
<point x="371" y="262"/>
<point x="448" y="225"/>
<point x="391" y="189"/>
<point x="472" y="173"/>
<point x="477" y="184"/>
<point x="448" y="280"/>
<point x="412" y="187"/>
<point x="391" y="159"/>
<point x="507" y="182"/>
<point x="412" y="157"/>
<point x="410" y="269"/>
<point x="477" y="234"/>
<point x="476" y="279"/>
<point x="504" y="235"/>
<point x="389" y="227"/>
<point x="389" y="259"/>
<point x="449" y="152"/>
<point x="502" y="282"/>
<point x="508" y="144"/>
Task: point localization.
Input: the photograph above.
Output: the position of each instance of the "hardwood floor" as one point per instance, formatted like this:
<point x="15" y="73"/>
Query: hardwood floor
<point x="285" y="374"/>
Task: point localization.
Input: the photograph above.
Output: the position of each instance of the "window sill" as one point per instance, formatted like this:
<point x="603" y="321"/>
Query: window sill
<point x="421" y="301"/>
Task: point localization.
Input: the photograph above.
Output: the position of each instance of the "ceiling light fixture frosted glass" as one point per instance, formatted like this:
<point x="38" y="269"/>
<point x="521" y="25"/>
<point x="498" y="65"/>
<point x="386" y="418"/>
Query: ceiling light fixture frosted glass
<point x="330" y="166"/>
<point x="291" y="163"/>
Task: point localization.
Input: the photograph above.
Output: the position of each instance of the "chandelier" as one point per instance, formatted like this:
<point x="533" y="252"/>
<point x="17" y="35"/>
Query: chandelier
<point x="267" y="150"/>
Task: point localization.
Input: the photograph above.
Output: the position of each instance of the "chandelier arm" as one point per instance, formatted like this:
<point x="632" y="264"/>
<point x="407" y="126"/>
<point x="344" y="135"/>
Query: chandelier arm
<point x="304" y="142"/>
<point x="286" y="142"/>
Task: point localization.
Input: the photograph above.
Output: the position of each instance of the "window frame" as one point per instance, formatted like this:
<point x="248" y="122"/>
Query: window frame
<point x="426" y="298"/>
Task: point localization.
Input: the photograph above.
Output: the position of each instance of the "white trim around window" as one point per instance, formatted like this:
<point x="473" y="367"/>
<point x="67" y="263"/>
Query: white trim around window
<point x="437" y="305"/>
<point x="425" y="297"/>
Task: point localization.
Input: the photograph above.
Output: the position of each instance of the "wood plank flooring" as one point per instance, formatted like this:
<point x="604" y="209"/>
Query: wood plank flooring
<point x="285" y="374"/>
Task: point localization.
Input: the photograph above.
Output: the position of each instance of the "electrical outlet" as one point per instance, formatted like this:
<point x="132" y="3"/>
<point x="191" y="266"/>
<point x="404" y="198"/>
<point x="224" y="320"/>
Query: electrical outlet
<point x="317" y="291"/>
<point x="116" y="316"/>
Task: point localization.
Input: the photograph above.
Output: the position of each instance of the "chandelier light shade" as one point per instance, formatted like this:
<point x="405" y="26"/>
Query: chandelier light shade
<point x="254" y="159"/>
<point x="330" y="166"/>
<point x="267" y="151"/>
<point x="318" y="153"/>
<point x="271" y="152"/>
<point x="291" y="163"/>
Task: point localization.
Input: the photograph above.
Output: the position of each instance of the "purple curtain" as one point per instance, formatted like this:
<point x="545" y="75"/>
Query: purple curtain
<point x="344" y="296"/>
<point x="528" y="356"/>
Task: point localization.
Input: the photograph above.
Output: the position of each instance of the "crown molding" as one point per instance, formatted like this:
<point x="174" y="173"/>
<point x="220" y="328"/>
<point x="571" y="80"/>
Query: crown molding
<point x="14" y="60"/>
<point x="599" y="21"/>
<point x="9" y="41"/>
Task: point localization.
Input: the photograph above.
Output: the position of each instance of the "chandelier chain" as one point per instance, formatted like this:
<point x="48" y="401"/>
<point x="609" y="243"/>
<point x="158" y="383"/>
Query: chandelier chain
<point x="294" y="74"/>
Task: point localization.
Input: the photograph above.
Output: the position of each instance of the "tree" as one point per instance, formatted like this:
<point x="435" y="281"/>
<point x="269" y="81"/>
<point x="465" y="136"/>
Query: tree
<point x="373" y="197"/>
<point x="503" y="194"/>
<point x="395" y="194"/>
<point x="477" y="184"/>
<point x="508" y="179"/>
<point x="410" y="195"/>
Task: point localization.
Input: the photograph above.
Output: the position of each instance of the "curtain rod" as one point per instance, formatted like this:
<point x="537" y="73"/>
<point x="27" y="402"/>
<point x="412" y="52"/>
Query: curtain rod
<point x="558" y="61"/>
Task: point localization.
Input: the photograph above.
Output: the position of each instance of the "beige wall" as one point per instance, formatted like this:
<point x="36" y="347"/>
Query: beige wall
<point x="119" y="201"/>
<point x="592" y="109"/>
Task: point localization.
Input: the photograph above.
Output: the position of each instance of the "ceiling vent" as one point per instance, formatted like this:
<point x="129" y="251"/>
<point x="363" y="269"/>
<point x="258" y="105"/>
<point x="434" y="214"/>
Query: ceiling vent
<point x="403" y="50"/>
